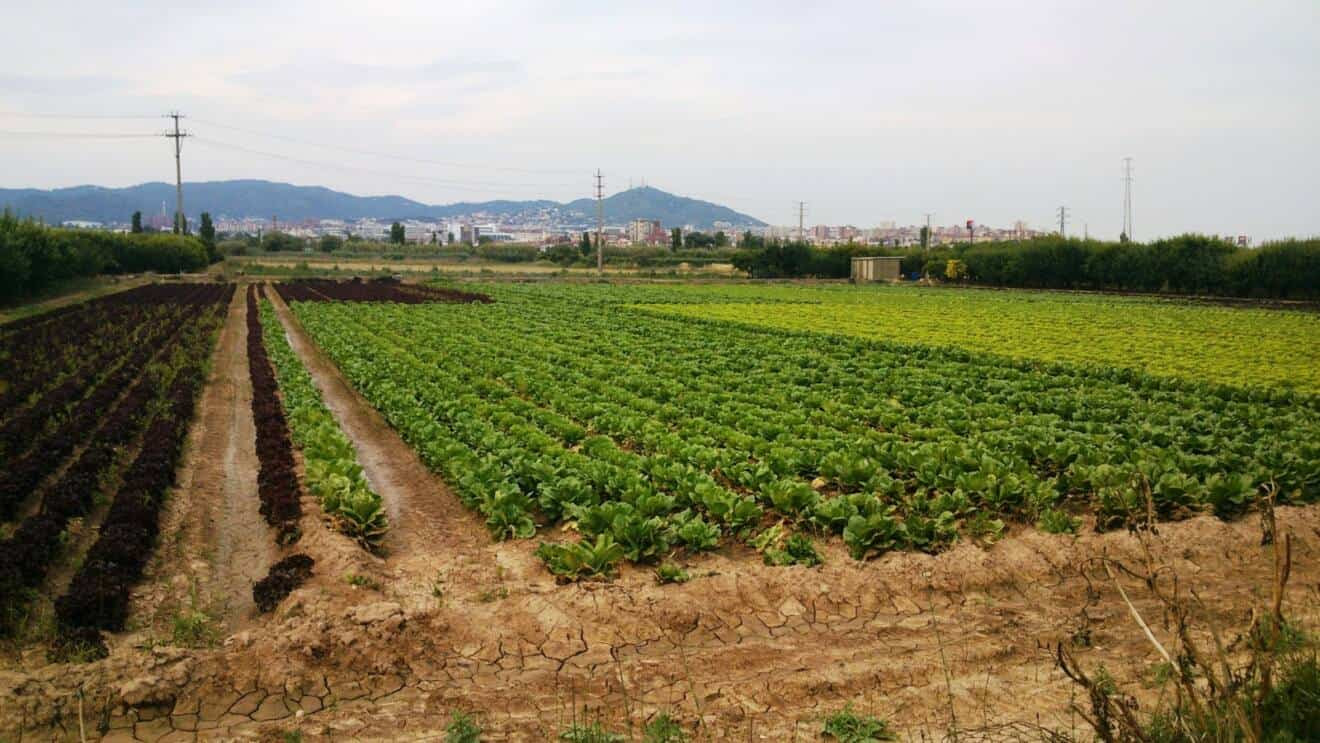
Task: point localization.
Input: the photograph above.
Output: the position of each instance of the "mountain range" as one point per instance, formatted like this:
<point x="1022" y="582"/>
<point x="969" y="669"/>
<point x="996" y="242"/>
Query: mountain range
<point x="256" y="198"/>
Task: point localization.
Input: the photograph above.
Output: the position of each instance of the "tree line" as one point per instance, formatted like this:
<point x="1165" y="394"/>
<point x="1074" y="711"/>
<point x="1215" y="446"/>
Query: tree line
<point x="1185" y="264"/>
<point x="34" y="256"/>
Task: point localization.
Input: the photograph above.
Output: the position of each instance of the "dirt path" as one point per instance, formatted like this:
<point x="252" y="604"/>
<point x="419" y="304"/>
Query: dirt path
<point x="431" y="533"/>
<point x="215" y="543"/>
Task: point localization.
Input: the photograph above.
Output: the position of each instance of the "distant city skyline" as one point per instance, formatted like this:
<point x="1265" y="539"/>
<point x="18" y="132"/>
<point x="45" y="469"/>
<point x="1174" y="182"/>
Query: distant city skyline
<point x="866" y="111"/>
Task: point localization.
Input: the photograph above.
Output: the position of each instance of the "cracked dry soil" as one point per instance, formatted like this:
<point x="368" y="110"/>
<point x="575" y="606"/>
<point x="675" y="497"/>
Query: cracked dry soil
<point x="742" y="651"/>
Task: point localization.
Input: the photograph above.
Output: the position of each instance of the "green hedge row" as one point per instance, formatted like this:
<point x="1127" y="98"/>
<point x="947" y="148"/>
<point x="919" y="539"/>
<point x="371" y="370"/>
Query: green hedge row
<point x="1186" y="264"/>
<point x="33" y="256"/>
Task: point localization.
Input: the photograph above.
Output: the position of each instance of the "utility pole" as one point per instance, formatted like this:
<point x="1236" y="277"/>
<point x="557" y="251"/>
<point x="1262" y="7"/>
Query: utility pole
<point x="928" y="235"/>
<point x="1127" y="197"/>
<point x="179" y="224"/>
<point x="802" y="213"/>
<point x="600" y="224"/>
<point x="1063" y="221"/>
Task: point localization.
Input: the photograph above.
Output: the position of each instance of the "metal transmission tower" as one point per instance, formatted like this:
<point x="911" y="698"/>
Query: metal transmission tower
<point x="802" y="213"/>
<point x="1127" y="197"/>
<point x="600" y="223"/>
<point x="180" y="225"/>
<point x="1063" y="221"/>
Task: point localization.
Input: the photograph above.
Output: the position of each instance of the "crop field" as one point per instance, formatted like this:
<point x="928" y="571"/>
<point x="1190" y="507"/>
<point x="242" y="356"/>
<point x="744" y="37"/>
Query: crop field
<point x="1234" y="346"/>
<point x="651" y="432"/>
<point x="375" y="509"/>
<point x="87" y="424"/>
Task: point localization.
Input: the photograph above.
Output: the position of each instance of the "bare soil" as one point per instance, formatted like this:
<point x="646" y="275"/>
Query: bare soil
<point x="448" y="619"/>
<point x="216" y="543"/>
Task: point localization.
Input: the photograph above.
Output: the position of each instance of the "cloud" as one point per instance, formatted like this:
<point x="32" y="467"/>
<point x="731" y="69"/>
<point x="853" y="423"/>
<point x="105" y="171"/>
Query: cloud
<point x="867" y="110"/>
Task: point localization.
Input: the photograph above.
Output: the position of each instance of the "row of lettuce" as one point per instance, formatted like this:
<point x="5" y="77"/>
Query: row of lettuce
<point x="330" y="463"/>
<point x="662" y="433"/>
<point x="34" y="257"/>
<point x="1185" y="264"/>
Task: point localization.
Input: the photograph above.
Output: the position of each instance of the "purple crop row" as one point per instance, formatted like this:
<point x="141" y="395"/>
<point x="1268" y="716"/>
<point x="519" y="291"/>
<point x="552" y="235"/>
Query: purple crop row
<point x="277" y="481"/>
<point x="97" y="597"/>
<point x="375" y="290"/>
<point x="25" y="558"/>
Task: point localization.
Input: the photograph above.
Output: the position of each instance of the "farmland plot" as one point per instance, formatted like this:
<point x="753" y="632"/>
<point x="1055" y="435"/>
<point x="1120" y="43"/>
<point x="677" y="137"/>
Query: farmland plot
<point x="108" y="426"/>
<point x="651" y="433"/>
<point x="616" y="435"/>
<point x="1234" y="346"/>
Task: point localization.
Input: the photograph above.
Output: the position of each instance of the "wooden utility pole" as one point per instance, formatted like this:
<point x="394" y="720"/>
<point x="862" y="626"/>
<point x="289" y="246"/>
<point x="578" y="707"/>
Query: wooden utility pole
<point x="180" y="226"/>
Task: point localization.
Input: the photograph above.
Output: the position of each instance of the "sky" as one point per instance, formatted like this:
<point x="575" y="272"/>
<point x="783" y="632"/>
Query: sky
<point x="867" y="111"/>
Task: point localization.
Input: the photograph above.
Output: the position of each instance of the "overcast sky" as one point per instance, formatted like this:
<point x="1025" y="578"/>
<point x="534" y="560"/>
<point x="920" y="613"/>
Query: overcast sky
<point x="868" y="111"/>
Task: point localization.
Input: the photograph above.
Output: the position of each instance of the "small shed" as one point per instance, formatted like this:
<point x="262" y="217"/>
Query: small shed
<point x="876" y="268"/>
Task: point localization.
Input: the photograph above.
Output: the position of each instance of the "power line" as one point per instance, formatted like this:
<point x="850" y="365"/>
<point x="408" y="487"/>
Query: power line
<point x="462" y="185"/>
<point x="1062" y="212"/>
<point x="26" y="115"/>
<point x="392" y="156"/>
<point x="76" y="135"/>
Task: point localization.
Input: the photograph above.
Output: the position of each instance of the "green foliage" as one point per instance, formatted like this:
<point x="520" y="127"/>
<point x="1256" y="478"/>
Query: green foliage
<point x="697" y="534"/>
<point x="330" y="462"/>
<point x="778" y="547"/>
<point x="33" y="257"/>
<point x="582" y="559"/>
<point x="397" y="234"/>
<point x="1054" y="521"/>
<point x="664" y="729"/>
<point x="193" y="628"/>
<point x="793" y="497"/>
<point x="847" y="726"/>
<point x="590" y="733"/>
<point x="462" y="728"/>
<point x="564" y="254"/>
<point x="331" y="243"/>
<point x="281" y="242"/>
<point x="646" y="431"/>
<point x="1189" y="264"/>
<point x="206" y="233"/>
<point x="668" y="572"/>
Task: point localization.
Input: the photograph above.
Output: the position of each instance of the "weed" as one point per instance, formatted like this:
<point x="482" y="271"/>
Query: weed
<point x="1266" y="691"/>
<point x="1054" y="521"/>
<point x="362" y="581"/>
<point x="489" y="595"/>
<point x="293" y="736"/>
<point x="849" y="727"/>
<point x="668" y="572"/>
<point x="193" y="629"/>
<point x="780" y="548"/>
<point x="462" y="729"/>
<point x="592" y="733"/>
<point x="664" y="729"/>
